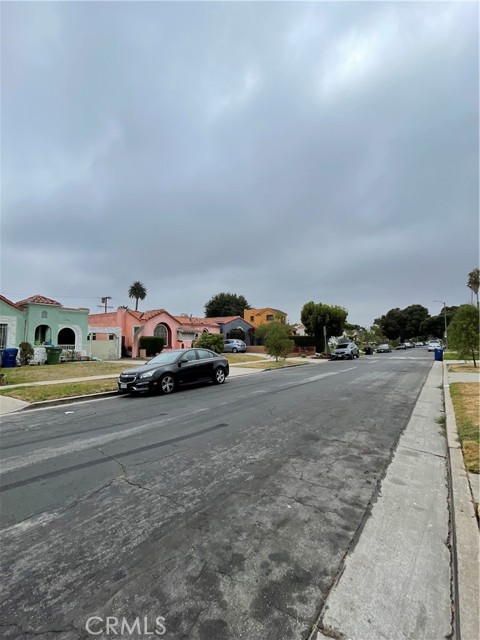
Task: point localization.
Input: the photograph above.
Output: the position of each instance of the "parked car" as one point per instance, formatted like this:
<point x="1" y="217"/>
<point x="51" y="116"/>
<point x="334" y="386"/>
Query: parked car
<point x="232" y="345"/>
<point x="434" y="344"/>
<point x="384" y="348"/>
<point x="400" y="346"/>
<point x="345" y="350"/>
<point x="419" y="344"/>
<point x="409" y="345"/>
<point x="165" y="372"/>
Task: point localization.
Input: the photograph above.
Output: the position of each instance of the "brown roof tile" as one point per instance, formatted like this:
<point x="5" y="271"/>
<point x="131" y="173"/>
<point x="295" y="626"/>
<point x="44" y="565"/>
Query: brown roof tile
<point x="37" y="299"/>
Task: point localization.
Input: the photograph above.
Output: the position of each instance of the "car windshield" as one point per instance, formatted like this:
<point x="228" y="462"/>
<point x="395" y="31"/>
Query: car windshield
<point x="344" y="345"/>
<point x="165" y="358"/>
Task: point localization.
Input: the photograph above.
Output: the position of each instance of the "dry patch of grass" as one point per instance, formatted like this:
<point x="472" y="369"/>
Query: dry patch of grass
<point x="466" y="402"/>
<point x="40" y="373"/>
<point x="272" y="365"/>
<point x="463" y="368"/>
<point x="237" y="358"/>
<point x="58" y="391"/>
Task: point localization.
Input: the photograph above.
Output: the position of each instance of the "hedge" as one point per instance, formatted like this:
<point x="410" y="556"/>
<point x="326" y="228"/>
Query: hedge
<point x="151" y="344"/>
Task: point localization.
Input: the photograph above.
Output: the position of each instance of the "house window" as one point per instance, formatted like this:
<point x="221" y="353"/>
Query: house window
<point x="161" y="331"/>
<point x="3" y="335"/>
<point x="270" y="318"/>
<point x="111" y="336"/>
<point x="44" y="314"/>
<point x="92" y="336"/>
<point x="252" y="318"/>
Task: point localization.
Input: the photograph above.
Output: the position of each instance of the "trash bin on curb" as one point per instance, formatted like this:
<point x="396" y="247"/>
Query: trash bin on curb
<point x="438" y="354"/>
<point x="368" y="351"/>
<point x="9" y="358"/>
<point x="53" y="354"/>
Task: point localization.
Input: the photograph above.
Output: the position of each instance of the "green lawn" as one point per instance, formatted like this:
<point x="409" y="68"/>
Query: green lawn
<point x="58" y="391"/>
<point x="466" y="402"/>
<point x="39" y="373"/>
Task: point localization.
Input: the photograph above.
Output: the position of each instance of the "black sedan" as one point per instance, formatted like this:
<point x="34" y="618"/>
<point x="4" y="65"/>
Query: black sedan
<point x="384" y="348"/>
<point x="165" y="372"/>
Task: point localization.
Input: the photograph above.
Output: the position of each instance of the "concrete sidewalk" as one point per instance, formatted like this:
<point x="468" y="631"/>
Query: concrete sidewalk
<point x="396" y="580"/>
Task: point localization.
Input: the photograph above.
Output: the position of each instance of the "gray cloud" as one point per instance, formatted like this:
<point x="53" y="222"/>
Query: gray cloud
<point x="283" y="151"/>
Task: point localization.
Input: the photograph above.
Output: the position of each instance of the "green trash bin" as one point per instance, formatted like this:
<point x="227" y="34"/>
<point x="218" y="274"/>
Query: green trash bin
<point x="53" y="354"/>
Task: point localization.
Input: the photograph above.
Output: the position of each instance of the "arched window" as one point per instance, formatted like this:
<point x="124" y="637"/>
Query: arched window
<point x="66" y="338"/>
<point x="161" y="331"/>
<point x="44" y="314"/>
<point x="43" y="334"/>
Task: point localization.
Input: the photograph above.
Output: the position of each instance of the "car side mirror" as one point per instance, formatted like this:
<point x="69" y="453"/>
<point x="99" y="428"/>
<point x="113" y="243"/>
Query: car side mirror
<point x="183" y="360"/>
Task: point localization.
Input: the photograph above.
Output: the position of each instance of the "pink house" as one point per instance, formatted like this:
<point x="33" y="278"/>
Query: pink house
<point x="131" y="325"/>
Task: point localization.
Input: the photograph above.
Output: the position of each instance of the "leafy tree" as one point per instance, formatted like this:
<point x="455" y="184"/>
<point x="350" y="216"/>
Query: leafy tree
<point x="226" y="304"/>
<point x="315" y="316"/>
<point x="138" y="291"/>
<point x="413" y="317"/>
<point x="433" y="327"/>
<point x="26" y="352"/>
<point x="213" y="341"/>
<point x="392" y="324"/>
<point x="464" y="330"/>
<point x="473" y="282"/>
<point x="278" y="340"/>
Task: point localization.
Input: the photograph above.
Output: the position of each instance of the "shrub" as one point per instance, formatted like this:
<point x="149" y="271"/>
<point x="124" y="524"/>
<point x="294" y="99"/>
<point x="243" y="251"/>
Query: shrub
<point x="304" y="341"/>
<point x="152" y="344"/>
<point x="278" y="341"/>
<point x="213" y="341"/>
<point x="26" y="352"/>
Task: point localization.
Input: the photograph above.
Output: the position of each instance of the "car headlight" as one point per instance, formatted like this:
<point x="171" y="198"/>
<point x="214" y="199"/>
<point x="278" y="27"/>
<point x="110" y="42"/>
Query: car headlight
<point x="148" y="374"/>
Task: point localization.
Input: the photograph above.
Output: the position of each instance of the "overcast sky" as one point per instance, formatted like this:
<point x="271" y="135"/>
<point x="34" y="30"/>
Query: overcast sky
<point x="283" y="151"/>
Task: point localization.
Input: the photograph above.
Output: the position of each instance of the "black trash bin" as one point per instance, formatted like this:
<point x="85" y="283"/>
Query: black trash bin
<point x="9" y="358"/>
<point x="368" y="351"/>
<point x="439" y="354"/>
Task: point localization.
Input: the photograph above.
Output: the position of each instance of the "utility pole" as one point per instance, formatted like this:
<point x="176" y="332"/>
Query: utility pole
<point x="445" y="318"/>
<point x="104" y="304"/>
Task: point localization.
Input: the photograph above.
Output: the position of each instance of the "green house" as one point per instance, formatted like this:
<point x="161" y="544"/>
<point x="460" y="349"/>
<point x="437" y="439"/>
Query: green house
<point x="40" y="320"/>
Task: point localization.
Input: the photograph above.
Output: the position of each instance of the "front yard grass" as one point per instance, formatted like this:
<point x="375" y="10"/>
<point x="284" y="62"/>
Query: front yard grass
<point x="453" y="355"/>
<point x="58" y="391"/>
<point x="40" y="373"/>
<point x="237" y="358"/>
<point x="466" y="403"/>
<point x="272" y="364"/>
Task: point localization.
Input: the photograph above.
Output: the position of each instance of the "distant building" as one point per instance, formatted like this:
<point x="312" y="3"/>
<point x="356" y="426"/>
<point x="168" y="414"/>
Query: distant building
<point x="256" y="317"/>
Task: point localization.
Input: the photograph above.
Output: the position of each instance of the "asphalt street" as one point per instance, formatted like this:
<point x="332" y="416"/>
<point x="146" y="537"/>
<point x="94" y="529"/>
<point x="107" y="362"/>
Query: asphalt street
<point x="226" y="511"/>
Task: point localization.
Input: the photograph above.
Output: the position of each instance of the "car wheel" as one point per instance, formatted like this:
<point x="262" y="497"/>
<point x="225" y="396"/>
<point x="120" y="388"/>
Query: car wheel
<point x="219" y="376"/>
<point x="166" y="384"/>
<point x="351" y="356"/>
<point x="234" y="350"/>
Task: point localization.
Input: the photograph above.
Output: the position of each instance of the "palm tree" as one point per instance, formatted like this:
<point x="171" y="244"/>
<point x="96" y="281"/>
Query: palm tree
<point x="138" y="291"/>
<point x="474" y="282"/>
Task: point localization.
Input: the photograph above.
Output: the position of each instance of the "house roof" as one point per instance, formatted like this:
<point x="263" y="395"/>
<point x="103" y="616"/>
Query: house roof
<point x="37" y="299"/>
<point x="12" y="304"/>
<point x="226" y="319"/>
<point x="190" y="320"/>
<point x="257" y="311"/>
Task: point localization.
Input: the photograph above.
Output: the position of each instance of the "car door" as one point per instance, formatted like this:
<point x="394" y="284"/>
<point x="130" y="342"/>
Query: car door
<point x="188" y="366"/>
<point x="205" y="364"/>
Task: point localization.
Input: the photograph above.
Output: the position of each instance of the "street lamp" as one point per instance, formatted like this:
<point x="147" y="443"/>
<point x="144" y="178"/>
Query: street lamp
<point x="445" y="318"/>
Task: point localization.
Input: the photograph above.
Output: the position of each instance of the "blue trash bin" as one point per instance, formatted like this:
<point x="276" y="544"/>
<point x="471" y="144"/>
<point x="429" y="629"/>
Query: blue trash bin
<point x="439" y="354"/>
<point x="9" y="358"/>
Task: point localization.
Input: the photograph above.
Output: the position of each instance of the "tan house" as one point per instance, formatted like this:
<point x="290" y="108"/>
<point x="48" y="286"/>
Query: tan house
<point x="264" y="316"/>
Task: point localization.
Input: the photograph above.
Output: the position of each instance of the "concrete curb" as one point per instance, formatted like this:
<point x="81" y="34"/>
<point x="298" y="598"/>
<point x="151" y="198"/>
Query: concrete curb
<point x="72" y="399"/>
<point x="465" y="532"/>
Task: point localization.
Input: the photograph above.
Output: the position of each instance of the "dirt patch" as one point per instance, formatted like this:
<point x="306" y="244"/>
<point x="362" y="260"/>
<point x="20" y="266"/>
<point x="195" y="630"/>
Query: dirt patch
<point x="463" y="368"/>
